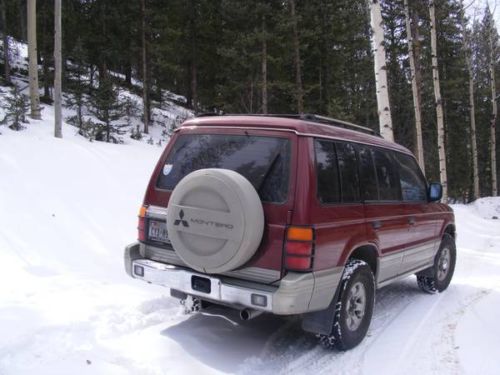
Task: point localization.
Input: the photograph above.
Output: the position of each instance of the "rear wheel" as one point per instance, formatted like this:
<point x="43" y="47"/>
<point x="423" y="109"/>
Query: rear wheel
<point x="353" y="311"/>
<point x="438" y="277"/>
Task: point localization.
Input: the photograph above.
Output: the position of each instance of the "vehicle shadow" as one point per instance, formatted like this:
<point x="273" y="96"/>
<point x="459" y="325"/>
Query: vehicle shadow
<point x="236" y="346"/>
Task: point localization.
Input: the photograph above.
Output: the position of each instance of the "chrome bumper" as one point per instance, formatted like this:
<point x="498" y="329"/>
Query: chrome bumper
<point x="296" y="293"/>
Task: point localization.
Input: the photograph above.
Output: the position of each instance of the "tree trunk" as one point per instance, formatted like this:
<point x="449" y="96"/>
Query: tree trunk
<point x="145" y="87"/>
<point x="439" y="103"/>
<point x="128" y="74"/>
<point x="22" y="19"/>
<point x="6" y="48"/>
<point x="297" y="60"/>
<point x="419" y="148"/>
<point x="264" y="66"/>
<point x="45" y="81"/>
<point x="494" y="113"/>
<point x="33" y="62"/>
<point x="91" y="78"/>
<point x="382" y="89"/>
<point x="193" y="68"/>
<point x="194" y="86"/>
<point x="472" y="108"/>
<point x="57" y="70"/>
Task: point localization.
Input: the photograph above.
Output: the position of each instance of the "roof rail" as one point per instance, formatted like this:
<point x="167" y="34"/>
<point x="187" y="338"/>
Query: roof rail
<point x="335" y="122"/>
<point x="304" y="116"/>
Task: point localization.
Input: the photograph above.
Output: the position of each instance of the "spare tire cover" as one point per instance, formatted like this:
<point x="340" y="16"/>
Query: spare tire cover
<point x="215" y="220"/>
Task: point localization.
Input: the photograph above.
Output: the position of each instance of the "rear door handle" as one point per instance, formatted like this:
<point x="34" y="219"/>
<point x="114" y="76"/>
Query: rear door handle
<point x="412" y="220"/>
<point x="376" y="224"/>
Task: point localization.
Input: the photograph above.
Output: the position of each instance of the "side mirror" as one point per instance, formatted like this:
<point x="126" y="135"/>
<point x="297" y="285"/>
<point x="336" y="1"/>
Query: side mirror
<point x="435" y="192"/>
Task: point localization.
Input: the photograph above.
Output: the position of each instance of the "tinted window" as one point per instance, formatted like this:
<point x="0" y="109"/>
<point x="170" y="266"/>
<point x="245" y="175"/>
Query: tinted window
<point x="348" y="168"/>
<point x="388" y="184"/>
<point x="368" y="179"/>
<point x="413" y="185"/>
<point x="264" y="161"/>
<point x="327" y="172"/>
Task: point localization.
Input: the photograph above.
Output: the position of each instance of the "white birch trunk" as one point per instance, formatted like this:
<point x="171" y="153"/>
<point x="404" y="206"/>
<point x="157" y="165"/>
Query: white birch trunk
<point x="384" y="109"/>
<point x="439" y="103"/>
<point x="33" y="63"/>
<point x="58" y="68"/>
<point x="415" y="90"/>
<point x="494" y="113"/>
<point x="472" y="108"/>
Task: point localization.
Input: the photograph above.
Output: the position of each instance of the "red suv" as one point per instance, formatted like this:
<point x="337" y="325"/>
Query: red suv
<point x="288" y="215"/>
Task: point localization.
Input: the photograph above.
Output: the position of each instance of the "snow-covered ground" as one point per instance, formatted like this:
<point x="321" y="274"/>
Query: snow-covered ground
<point x="67" y="209"/>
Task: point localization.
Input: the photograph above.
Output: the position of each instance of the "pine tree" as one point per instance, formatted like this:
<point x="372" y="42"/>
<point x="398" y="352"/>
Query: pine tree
<point x="16" y="107"/>
<point x="105" y="106"/>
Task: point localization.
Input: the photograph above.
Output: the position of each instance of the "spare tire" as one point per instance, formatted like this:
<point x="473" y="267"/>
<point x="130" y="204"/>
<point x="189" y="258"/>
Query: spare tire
<point x="215" y="220"/>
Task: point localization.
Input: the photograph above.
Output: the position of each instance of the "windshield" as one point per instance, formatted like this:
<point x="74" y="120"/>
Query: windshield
<point x="264" y="161"/>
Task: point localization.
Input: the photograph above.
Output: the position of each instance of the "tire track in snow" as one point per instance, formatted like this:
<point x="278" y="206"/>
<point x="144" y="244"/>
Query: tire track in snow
<point x="289" y="350"/>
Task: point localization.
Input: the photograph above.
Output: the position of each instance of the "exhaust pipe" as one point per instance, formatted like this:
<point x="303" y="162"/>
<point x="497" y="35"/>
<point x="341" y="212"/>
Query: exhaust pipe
<point x="247" y="314"/>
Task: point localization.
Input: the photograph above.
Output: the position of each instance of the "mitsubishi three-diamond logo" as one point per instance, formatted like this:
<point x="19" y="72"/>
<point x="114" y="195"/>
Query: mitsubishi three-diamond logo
<point x="181" y="220"/>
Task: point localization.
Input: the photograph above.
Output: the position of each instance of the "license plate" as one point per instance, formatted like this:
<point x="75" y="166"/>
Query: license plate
<point x="158" y="231"/>
<point x="201" y="284"/>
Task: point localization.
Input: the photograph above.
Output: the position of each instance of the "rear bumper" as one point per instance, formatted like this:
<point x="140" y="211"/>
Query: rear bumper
<point x="296" y="293"/>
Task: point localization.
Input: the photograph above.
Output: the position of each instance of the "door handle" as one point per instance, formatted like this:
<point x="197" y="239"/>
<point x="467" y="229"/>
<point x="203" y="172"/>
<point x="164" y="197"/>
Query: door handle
<point x="376" y="224"/>
<point x="412" y="220"/>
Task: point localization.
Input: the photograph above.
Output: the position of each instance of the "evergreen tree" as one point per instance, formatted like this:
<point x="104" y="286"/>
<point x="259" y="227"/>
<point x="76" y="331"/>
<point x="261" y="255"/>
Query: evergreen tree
<point x="105" y="106"/>
<point x="16" y="106"/>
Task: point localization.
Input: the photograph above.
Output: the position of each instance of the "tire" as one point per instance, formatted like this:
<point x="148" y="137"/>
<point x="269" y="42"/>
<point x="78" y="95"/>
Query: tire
<point x="215" y="220"/>
<point x="354" y="309"/>
<point x="437" y="278"/>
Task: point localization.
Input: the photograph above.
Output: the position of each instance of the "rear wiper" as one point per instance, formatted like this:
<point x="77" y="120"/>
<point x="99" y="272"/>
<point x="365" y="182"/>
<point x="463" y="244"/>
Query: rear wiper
<point x="268" y="170"/>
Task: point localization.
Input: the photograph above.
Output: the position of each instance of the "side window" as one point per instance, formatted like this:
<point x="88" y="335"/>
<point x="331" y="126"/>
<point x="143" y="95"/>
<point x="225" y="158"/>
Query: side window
<point x="368" y="178"/>
<point x="327" y="172"/>
<point x="388" y="184"/>
<point x="348" y="168"/>
<point x="413" y="185"/>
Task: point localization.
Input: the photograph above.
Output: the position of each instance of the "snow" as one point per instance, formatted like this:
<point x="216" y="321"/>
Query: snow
<point x="68" y="207"/>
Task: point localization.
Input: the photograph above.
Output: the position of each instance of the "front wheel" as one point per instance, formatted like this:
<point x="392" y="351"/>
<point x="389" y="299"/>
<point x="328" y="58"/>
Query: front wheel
<point x="353" y="311"/>
<point x="438" y="277"/>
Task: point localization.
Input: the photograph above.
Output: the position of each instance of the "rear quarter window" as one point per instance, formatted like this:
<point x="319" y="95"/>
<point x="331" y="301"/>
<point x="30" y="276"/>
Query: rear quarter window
<point x="413" y="184"/>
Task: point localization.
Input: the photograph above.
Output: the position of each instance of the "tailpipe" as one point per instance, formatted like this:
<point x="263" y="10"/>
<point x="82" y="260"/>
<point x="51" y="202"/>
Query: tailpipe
<point x="247" y="314"/>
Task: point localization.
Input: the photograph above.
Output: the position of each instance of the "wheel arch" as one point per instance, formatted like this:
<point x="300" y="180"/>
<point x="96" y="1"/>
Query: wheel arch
<point x="450" y="229"/>
<point x="367" y="253"/>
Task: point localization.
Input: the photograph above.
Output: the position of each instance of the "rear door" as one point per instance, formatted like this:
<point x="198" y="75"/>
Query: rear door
<point x="337" y="209"/>
<point x="422" y="240"/>
<point x="386" y="223"/>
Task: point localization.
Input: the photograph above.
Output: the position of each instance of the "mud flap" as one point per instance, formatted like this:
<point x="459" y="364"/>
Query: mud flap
<point x="321" y="322"/>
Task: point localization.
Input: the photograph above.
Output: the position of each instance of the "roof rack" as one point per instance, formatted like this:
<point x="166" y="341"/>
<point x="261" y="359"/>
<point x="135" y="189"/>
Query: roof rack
<point x="304" y="116"/>
<point x="335" y="122"/>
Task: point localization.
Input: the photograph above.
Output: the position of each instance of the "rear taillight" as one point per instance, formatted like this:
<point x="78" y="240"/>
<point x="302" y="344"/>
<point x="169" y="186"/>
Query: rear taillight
<point x="141" y="227"/>
<point x="299" y="248"/>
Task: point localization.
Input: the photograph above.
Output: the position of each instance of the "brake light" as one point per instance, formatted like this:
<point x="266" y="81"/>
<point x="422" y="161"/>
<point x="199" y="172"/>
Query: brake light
<point x="299" y="248"/>
<point x="141" y="227"/>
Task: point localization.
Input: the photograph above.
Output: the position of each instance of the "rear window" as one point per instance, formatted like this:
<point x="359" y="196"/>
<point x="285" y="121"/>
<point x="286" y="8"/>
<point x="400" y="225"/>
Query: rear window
<point x="264" y="161"/>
